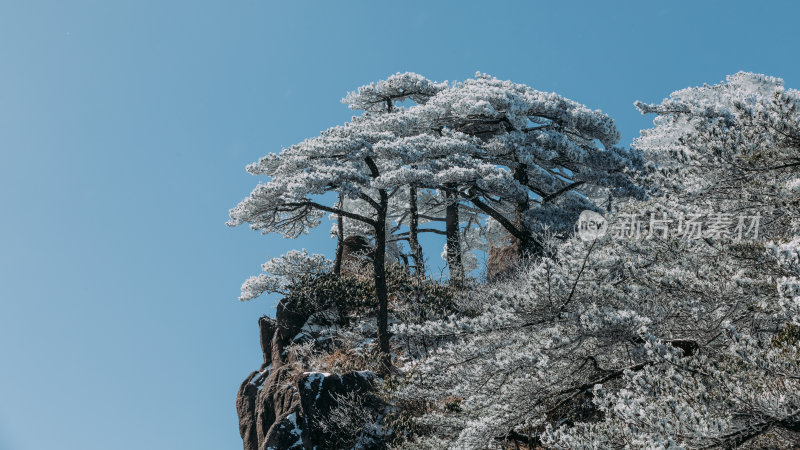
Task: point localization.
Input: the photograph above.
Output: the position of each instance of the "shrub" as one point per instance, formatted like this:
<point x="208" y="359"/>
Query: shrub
<point x="347" y="295"/>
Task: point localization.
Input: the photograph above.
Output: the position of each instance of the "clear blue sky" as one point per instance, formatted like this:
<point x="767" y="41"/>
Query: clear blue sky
<point x="124" y="131"/>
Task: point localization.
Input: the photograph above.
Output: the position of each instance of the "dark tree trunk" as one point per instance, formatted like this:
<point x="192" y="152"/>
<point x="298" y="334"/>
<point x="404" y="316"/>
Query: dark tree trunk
<point x="337" y="263"/>
<point x="520" y="207"/>
<point x="453" y="238"/>
<point x="521" y="175"/>
<point x="413" y="240"/>
<point x="379" y="265"/>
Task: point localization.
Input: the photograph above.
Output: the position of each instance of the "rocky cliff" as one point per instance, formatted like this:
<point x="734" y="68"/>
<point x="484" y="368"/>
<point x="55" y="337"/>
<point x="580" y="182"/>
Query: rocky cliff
<point x="280" y="406"/>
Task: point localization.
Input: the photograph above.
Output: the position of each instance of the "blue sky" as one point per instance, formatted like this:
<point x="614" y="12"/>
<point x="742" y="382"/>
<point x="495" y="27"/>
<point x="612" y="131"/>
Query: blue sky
<point x="125" y="128"/>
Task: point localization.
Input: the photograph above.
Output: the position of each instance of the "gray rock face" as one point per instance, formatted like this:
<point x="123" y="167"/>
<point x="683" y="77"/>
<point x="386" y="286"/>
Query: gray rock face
<point x="318" y="393"/>
<point x="275" y="401"/>
<point x="502" y="261"/>
<point x="285" y="434"/>
<point x="279" y="408"/>
<point x="246" y="408"/>
<point x="267" y="328"/>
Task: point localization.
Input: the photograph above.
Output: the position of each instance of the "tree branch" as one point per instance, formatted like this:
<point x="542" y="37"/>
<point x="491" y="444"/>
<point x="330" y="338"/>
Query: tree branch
<point x="507" y="224"/>
<point x="423" y="230"/>
<point x="337" y="211"/>
<point x="566" y="188"/>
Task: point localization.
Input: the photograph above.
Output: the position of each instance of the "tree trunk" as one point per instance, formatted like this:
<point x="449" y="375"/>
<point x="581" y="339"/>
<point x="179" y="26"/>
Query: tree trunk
<point x="453" y="238"/>
<point x="520" y="207"/>
<point x="413" y="240"/>
<point x="379" y="265"/>
<point x="337" y="263"/>
<point x="521" y="175"/>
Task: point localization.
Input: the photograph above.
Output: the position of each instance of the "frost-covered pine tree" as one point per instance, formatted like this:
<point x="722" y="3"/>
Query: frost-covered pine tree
<point x="351" y="160"/>
<point x="342" y="160"/>
<point x="729" y="145"/>
<point x="385" y="97"/>
<point x="556" y="155"/>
